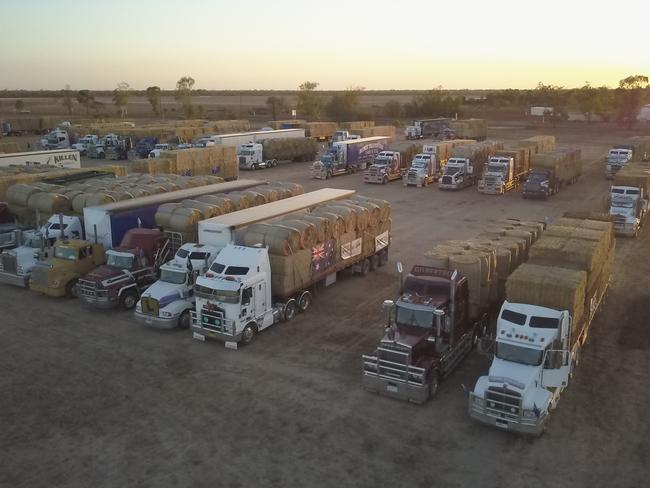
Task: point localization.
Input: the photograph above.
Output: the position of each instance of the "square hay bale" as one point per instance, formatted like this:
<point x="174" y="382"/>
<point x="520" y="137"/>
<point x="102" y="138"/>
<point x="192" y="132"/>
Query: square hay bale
<point x="549" y="286"/>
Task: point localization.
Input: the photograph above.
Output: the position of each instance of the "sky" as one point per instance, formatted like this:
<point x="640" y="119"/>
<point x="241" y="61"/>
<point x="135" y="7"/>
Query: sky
<point x="277" y="44"/>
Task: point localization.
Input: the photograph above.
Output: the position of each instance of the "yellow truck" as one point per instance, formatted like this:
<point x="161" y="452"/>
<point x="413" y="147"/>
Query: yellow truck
<point x="71" y="259"/>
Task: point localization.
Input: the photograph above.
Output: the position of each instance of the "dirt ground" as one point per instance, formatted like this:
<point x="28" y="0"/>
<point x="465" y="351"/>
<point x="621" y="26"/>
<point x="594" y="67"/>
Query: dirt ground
<point x="90" y="398"/>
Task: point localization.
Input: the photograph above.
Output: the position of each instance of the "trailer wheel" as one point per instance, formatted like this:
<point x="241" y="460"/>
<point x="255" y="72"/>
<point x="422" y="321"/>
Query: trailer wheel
<point x="304" y="302"/>
<point x="383" y="257"/>
<point x="184" y="320"/>
<point x="128" y="299"/>
<point x="328" y="175"/>
<point x="374" y="262"/>
<point x="365" y="267"/>
<point x="290" y="310"/>
<point x="434" y="384"/>
<point x="384" y="180"/>
<point x="248" y="334"/>
<point x="274" y="163"/>
<point x="71" y="289"/>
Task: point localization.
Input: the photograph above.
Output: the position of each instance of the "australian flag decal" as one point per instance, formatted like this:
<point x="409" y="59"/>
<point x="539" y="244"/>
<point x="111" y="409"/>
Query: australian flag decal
<point x="322" y="256"/>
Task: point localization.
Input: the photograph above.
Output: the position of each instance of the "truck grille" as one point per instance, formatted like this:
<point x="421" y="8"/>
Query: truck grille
<point x="503" y="402"/>
<point x="242" y="160"/>
<point x="149" y="306"/>
<point x="89" y="289"/>
<point x="446" y="180"/>
<point x="8" y="264"/>
<point x="214" y="320"/>
<point x="7" y="239"/>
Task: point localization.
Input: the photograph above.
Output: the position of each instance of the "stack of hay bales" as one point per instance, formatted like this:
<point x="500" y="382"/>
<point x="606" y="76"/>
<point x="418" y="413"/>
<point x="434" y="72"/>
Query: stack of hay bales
<point x="287" y="124"/>
<point x="569" y="269"/>
<point x="9" y="147"/>
<point x="635" y="174"/>
<point x="487" y="260"/>
<point x="539" y="143"/>
<point x="478" y="153"/>
<point x="566" y="163"/>
<point x="358" y="124"/>
<point x="306" y="246"/>
<point x="320" y="130"/>
<point x="470" y="129"/>
<point x="214" y="160"/>
<point x="182" y="217"/>
<point x="379" y="130"/>
<point x="292" y="149"/>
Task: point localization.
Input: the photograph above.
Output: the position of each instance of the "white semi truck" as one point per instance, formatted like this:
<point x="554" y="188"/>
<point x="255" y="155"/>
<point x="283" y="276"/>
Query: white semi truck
<point x="628" y="207"/>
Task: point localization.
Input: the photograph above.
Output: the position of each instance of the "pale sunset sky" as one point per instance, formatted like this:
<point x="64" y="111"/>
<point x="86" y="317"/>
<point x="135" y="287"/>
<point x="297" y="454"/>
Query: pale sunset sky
<point x="277" y="44"/>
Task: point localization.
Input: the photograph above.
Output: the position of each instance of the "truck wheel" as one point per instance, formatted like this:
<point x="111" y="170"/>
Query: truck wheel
<point x="128" y="299"/>
<point x="365" y="267"/>
<point x="328" y="175"/>
<point x="383" y="257"/>
<point x="374" y="262"/>
<point x="101" y="155"/>
<point x="384" y="180"/>
<point x="249" y="333"/>
<point x="184" y="320"/>
<point x="71" y="290"/>
<point x="434" y="384"/>
<point x="274" y="163"/>
<point x="254" y="167"/>
<point x="290" y="310"/>
<point x="304" y="302"/>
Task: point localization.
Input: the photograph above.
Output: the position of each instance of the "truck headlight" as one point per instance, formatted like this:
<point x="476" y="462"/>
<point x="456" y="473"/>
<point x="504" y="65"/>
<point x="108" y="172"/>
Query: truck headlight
<point x="478" y="401"/>
<point x="56" y="283"/>
<point x="529" y="414"/>
<point x="165" y="314"/>
<point x="138" y="306"/>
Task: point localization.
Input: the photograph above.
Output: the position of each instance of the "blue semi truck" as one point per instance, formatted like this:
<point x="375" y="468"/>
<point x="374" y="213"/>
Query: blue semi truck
<point x="346" y="157"/>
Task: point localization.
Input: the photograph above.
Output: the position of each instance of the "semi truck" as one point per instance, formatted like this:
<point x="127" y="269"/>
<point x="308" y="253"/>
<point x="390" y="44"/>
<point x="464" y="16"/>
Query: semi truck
<point x="386" y="167"/>
<point x="550" y="171"/>
<point x="628" y="206"/>
<point x="239" y="138"/>
<point x="466" y="163"/>
<point x="248" y="289"/>
<point x="169" y="302"/>
<point x="428" y="333"/>
<point x="61" y="158"/>
<point x="505" y="170"/>
<point x="635" y="148"/>
<point x="426" y="128"/>
<point x="162" y="310"/>
<point x="350" y="156"/>
<point x="107" y="224"/>
<point x="130" y="269"/>
<point x="541" y="328"/>
<point x="427" y="166"/>
<point x="268" y="153"/>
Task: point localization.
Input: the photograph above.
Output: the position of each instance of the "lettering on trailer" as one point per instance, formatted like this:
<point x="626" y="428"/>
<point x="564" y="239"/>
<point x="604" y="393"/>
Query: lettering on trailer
<point x="381" y="241"/>
<point x="351" y="249"/>
<point x="60" y="158"/>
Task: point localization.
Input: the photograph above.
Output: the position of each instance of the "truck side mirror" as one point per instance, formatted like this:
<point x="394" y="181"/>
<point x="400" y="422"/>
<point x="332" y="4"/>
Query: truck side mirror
<point x="400" y="270"/>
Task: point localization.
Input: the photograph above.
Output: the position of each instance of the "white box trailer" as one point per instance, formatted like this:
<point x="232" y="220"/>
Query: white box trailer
<point x="256" y="136"/>
<point x="59" y="158"/>
<point x="107" y="224"/>
<point x="220" y="231"/>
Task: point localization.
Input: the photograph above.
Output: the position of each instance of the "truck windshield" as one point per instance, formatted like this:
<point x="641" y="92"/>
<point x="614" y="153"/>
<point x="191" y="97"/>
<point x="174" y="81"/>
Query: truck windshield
<point x="415" y="317"/>
<point x="381" y="161"/>
<point x="119" y="260"/>
<point x="174" y="277"/>
<point x="495" y="168"/>
<point x="450" y="170"/>
<point x="419" y="164"/>
<point x="245" y="152"/>
<point x="69" y="253"/>
<point x="327" y="159"/>
<point x="518" y="354"/>
<point x="622" y="203"/>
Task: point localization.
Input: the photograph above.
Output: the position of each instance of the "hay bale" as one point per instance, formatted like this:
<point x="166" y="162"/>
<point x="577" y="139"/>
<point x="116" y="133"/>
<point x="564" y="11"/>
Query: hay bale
<point x="164" y="213"/>
<point x="280" y="240"/>
<point x="322" y="226"/>
<point x="347" y="215"/>
<point x="19" y="194"/>
<point x="49" y="203"/>
<point x="336" y="223"/>
<point x="604" y="226"/>
<point x="307" y="230"/>
<point x="185" y="220"/>
<point x="207" y="210"/>
<point x="588" y="215"/>
<point x="223" y="202"/>
<point x="558" y="288"/>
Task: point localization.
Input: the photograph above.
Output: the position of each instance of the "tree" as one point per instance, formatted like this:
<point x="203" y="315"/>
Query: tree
<point x="121" y="97"/>
<point x="393" y="109"/>
<point x="630" y="97"/>
<point x="19" y="105"/>
<point x="345" y="105"/>
<point x="67" y="101"/>
<point x="276" y="105"/>
<point x="436" y="102"/>
<point x="184" y="94"/>
<point x="154" y="97"/>
<point x="587" y="98"/>
<point x="86" y="99"/>
<point x="309" y="103"/>
<point x="552" y="96"/>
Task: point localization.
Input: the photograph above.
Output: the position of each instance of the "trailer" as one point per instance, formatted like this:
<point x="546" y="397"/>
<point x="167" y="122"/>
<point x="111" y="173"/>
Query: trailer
<point x="250" y="287"/>
<point x="422" y="128"/>
<point x="250" y="137"/>
<point x="107" y="224"/>
<point x="268" y="153"/>
<point x="347" y="157"/>
<point x="321" y="131"/>
<point x="551" y="171"/>
<point x="59" y="158"/>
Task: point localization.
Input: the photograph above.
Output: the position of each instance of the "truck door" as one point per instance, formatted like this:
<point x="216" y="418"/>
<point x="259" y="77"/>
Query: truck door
<point x="259" y="294"/>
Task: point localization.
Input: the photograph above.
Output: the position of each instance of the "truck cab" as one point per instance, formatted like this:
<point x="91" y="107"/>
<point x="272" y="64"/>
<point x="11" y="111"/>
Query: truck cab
<point x="616" y="159"/>
<point x="332" y="162"/>
<point x="61" y="226"/>
<point x="70" y="259"/>
<point x="531" y="365"/>
<point x="251" y="156"/>
<point x="386" y="167"/>
<point x="233" y="299"/>
<point x="628" y="207"/>
<point x="129" y="270"/>
<point x="428" y="333"/>
<point x="540" y="183"/>
<point x="168" y="303"/>
<point x="157" y="149"/>
<point x="412" y="132"/>
<point x="498" y="176"/>
<point x="16" y="264"/>
<point x="144" y="146"/>
<point x="458" y="173"/>
<point x="340" y="135"/>
<point x="423" y="170"/>
<point x="57" y="139"/>
<point x="82" y="144"/>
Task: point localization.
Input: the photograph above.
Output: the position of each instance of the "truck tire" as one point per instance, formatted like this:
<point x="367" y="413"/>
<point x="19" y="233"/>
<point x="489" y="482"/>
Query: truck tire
<point x="274" y="163"/>
<point x="184" y="320"/>
<point x="128" y="299"/>
<point x="71" y="290"/>
<point x="384" y="180"/>
<point x="383" y="257"/>
<point x="290" y="310"/>
<point x="304" y="302"/>
<point x="328" y="175"/>
<point x="248" y="334"/>
<point x="434" y="384"/>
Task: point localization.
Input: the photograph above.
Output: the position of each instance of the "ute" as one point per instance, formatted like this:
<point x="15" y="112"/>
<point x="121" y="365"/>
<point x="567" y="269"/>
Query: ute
<point x="129" y="270"/>
<point x="170" y="300"/>
<point x="429" y="336"/>
<point x="71" y="259"/>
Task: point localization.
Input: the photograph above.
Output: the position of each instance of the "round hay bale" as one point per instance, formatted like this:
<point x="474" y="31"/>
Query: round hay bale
<point x="307" y="230"/>
<point x="224" y="203"/>
<point x="208" y="210"/>
<point x="19" y="194"/>
<point x="269" y="194"/>
<point x="322" y="225"/>
<point x="164" y="214"/>
<point x="362" y="213"/>
<point x="239" y="201"/>
<point x="184" y="219"/>
<point x="348" y="215"/>
<point x="169" y="186"/>
<point x="49" y="203"/>
<point x="255" y="198"/>
<point x="279" y="239"/>
<point x="121" y="195"/>
<point x="79" y="202"/>
<point x="294" y="188"/>
<point x="384" y="206"/>
<point x="96" y="199"/>
<point x="281" y="191"/>
<point x="336" y="223"/>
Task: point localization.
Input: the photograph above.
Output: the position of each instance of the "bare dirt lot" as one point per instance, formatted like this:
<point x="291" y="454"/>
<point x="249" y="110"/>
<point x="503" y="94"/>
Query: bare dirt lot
<point x="90" y="398"/>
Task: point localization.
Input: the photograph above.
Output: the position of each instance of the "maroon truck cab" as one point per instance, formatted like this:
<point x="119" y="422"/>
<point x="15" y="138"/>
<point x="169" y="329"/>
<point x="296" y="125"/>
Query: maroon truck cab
<point x="129" y="270"/>
<point x="428" y="333"/>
